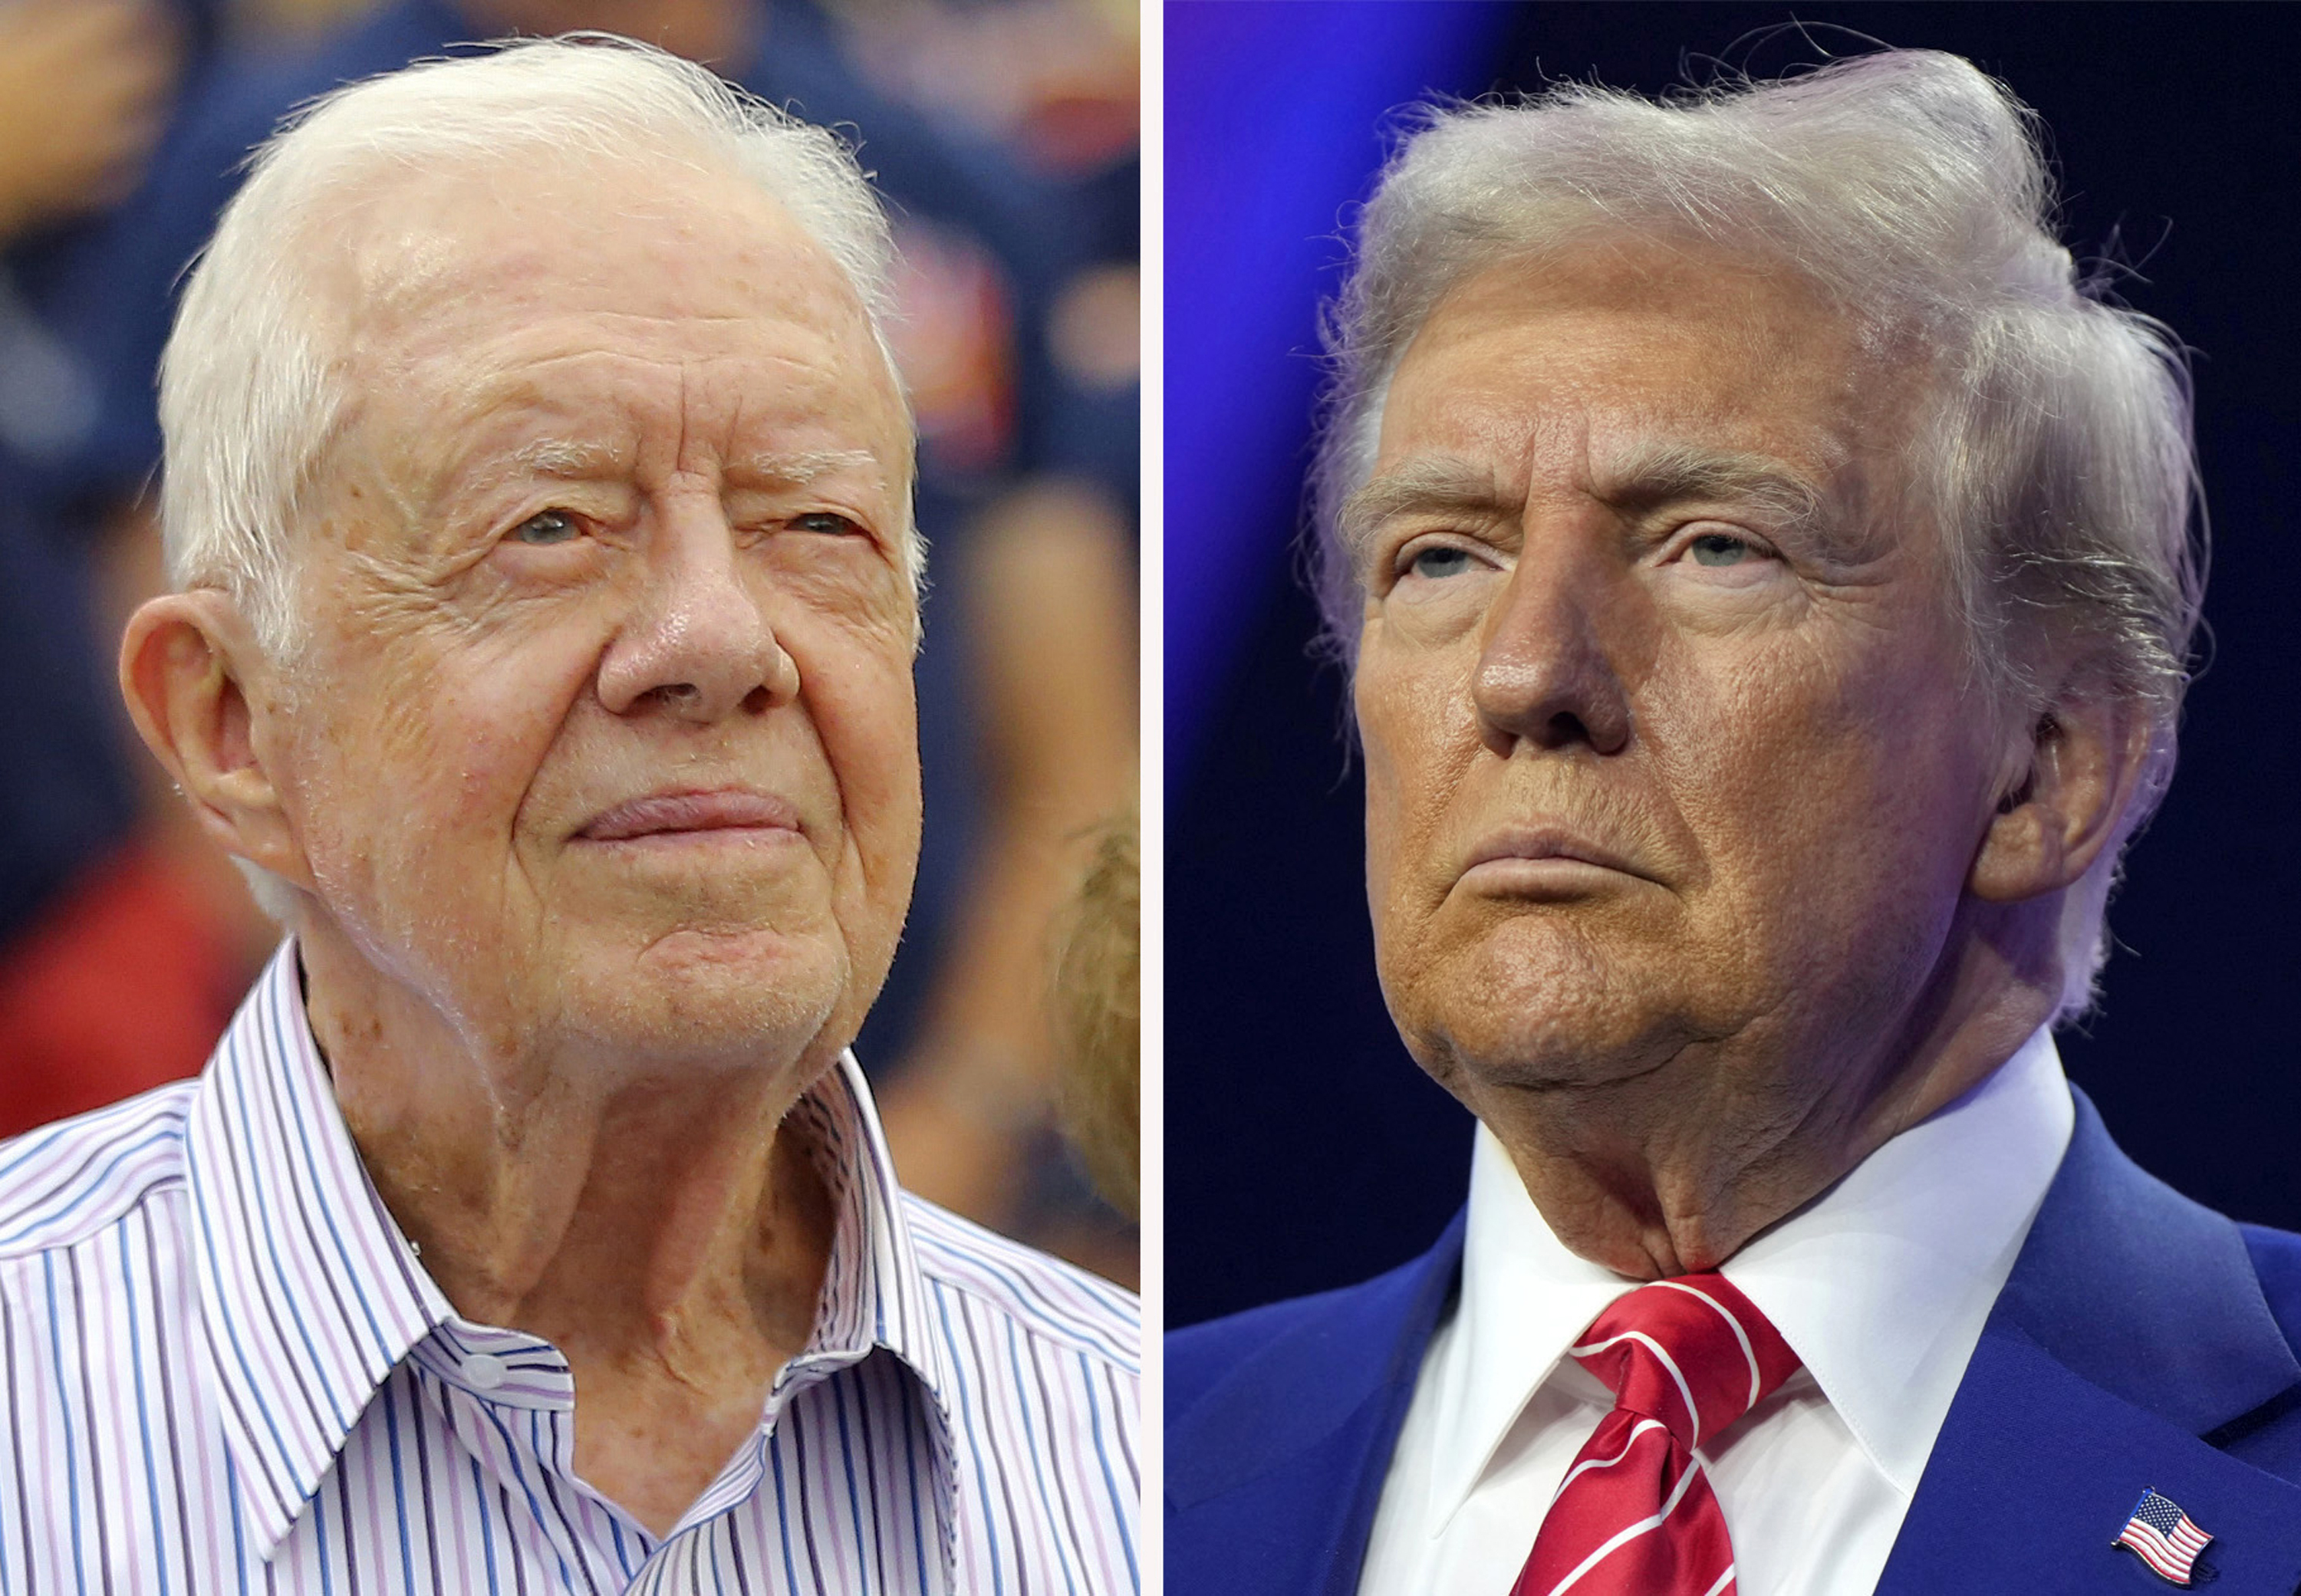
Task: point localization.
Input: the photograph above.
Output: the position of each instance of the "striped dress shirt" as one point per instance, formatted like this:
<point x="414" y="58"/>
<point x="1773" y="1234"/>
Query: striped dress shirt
<point x="226" y="1370"/>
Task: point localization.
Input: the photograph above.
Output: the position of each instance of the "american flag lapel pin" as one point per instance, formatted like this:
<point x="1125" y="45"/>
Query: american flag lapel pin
<point x="2164" y="1537"/>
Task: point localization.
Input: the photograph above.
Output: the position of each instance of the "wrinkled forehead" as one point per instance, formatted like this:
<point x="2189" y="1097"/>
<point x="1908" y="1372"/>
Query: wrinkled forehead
<point x="1596" y="358"/>
<point x="443" y="281"/>
<point x="428" y="255"/>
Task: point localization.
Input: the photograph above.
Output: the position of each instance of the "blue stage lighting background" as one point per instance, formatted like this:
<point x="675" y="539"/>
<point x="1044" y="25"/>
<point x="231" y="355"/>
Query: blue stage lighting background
<point x="1303" y="1148"/>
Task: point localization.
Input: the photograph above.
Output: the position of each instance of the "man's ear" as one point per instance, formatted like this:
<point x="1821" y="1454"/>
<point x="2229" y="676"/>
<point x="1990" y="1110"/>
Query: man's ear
<point x="2065" y="804"/>
<point x="185" y="663"/>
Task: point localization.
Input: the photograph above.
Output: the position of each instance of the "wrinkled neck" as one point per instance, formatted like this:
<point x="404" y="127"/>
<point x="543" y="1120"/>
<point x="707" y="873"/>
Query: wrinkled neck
<point x="1673" y="1169"/>
<point x="654" y="1213"/>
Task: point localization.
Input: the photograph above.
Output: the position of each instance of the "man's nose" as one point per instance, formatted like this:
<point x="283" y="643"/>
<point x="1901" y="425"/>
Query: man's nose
<point x="1546" y="672"/>
<point x="699" y="644"/>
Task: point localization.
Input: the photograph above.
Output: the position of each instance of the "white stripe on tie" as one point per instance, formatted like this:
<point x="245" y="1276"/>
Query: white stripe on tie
<point x="1757" y="1384"/>
<point x="1636" y="1430"/>
<point x="1724" y="1580"/>
<point x="1693" y="1412"/>
<point x="1624" y="1537"/>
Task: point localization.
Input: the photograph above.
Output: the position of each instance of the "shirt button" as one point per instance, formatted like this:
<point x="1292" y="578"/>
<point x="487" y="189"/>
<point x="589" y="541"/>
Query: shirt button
<point x="484" y="1370"/>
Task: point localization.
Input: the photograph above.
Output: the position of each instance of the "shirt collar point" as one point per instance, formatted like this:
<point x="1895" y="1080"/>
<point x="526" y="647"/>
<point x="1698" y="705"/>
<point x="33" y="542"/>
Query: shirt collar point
<point x="1836" y="1279"/>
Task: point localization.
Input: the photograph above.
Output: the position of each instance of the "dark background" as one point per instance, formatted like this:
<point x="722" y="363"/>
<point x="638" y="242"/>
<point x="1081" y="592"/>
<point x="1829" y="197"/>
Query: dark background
<point x="1304" y="1149"/>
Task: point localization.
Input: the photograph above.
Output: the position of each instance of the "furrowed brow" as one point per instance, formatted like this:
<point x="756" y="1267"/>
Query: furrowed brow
<point x="800" y="469"/>
<point x="1678" y="473"/>
<point x="566" y="457"/>
<point x="485" y="468"/>
<point x="1438" y="484"/>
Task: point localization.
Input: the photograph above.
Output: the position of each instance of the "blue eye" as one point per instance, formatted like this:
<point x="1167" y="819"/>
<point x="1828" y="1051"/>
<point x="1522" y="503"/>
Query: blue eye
<point x="1716" y="548"/>
<point x="826" y="522"/>
<point x="549" y="526"/>
<point x="1438" y="561"/>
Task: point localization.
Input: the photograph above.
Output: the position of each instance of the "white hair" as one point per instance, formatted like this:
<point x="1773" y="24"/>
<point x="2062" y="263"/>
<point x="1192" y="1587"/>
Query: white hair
<point x="2054" y="449"/>
<point x="252" y="383"/>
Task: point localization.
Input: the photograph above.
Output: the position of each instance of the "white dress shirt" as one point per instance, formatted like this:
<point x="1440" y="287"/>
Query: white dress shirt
<point x="1881" y="1285"/>
<point x="223" y="1369"/>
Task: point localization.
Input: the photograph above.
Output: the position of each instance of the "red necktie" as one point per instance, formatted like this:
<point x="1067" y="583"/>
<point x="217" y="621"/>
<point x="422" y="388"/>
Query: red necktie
<point x="1635" y="1516"/>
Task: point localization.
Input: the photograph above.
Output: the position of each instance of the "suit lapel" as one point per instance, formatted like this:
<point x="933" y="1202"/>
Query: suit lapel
<point x="2132" y="1325"/>
<point x="1273" y="1479"/>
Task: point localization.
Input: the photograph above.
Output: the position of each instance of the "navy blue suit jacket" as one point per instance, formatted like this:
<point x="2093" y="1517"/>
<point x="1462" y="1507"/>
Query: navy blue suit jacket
<point x="2142" y="1341"/>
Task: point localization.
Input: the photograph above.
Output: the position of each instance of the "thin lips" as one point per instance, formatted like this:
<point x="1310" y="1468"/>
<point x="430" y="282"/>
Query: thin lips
<point x="724" y="809"/>
<point x="1546" y="843"/>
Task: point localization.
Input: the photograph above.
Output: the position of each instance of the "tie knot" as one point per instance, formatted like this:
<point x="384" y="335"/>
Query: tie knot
<point x="1691" y="1352"/>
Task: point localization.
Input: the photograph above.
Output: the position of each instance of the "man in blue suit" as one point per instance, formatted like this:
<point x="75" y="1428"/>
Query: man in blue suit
<point x="1767" y="577"/>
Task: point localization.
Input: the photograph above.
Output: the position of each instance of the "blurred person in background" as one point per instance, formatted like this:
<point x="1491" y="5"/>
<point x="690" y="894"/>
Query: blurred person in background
<point x="83" y="89"/>
<point x="540" y="640"/>
<point x="1027" y="415"/>
<point x="1055" y="84"/>
<point x="86" y="89"/>
<point x="1099" y="990"/>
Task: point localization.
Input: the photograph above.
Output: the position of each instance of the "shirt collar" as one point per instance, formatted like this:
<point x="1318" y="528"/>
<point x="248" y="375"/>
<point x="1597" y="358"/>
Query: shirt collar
<point x="311" y="1294"/>
<point x="1880" y="1285"/>
<point x="873" y="1293"/>
<point x="874" y="1296"/>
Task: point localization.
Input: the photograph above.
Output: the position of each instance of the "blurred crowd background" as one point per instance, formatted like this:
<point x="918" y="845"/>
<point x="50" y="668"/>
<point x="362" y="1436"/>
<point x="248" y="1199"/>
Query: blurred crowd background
<point x="1004" y="134"/>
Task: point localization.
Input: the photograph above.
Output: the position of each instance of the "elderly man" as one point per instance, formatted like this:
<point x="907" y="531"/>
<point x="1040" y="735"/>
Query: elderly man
<point x="537" y="490"/>
<point x="1767" y="579"/>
